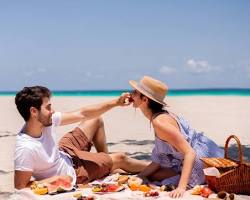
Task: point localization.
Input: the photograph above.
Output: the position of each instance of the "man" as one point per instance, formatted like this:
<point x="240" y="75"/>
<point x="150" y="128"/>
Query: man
<point x="38" y="155"/>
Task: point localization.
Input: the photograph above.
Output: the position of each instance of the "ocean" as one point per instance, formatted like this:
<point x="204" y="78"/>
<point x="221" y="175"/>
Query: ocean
<point x="174" y="92"/>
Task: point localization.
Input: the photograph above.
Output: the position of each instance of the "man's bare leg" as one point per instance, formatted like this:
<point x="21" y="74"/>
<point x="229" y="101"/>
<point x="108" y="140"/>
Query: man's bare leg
<point x="100" y="138"/>
<point x="94" y="130"/>
<point x="122" y="161"/>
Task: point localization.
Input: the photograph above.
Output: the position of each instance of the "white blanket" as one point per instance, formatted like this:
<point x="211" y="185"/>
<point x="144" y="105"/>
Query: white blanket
<point x="27" y="194"/>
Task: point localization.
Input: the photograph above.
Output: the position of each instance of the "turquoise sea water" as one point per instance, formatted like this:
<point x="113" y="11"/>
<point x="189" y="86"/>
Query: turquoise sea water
<point x="177" y="92"/>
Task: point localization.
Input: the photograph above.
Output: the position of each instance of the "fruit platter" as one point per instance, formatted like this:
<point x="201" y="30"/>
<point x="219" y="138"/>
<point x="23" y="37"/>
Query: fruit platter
<point x="117" y="183"/>
<point x="106" y="188"/>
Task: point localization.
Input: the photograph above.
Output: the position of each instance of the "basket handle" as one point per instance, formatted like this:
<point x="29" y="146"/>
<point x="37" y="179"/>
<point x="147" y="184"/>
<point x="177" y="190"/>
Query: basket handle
<point x="240" y="154"/>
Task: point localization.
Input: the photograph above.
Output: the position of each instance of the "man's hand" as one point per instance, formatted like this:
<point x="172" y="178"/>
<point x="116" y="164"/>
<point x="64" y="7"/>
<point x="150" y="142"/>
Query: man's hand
<point x="123" y="100"/>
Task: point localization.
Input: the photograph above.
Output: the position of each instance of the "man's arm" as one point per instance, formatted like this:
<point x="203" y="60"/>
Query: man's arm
<point x="21" y="179"/>
<point x="92" y="111"/>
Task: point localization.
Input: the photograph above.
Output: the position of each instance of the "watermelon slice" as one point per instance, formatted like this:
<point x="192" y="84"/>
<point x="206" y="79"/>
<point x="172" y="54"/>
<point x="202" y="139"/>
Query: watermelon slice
<point x="59" y="185"/>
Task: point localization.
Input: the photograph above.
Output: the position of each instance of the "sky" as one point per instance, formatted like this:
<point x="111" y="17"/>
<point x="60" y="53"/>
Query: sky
<point x="92" y="45"/>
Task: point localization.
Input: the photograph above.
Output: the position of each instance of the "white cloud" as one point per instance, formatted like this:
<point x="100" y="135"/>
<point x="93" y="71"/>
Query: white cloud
<point x="35" y="71"/>
<point x="167" y="70"/>
<point x="89" y="74"/>
<point x="200" y="66"/>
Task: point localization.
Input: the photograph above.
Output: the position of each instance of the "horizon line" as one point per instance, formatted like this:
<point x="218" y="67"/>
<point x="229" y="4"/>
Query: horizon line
<point x="114" y="90"/>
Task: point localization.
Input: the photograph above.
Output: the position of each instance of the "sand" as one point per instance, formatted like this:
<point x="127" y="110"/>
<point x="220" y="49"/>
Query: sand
<point x="128" y="131"/>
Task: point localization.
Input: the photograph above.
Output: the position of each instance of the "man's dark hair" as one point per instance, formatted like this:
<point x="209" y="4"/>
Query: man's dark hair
<point x="30" y="97"/>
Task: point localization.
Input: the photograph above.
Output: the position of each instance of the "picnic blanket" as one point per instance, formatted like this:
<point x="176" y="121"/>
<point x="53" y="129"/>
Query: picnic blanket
<point x="125" y="193"/>
<point x="27" y="194"/>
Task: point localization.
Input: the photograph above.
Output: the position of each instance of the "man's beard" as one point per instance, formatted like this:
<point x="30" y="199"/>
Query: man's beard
<point x="45" y="122"/>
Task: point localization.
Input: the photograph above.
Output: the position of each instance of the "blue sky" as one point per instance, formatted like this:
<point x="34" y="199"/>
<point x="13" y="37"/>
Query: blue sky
<point x="85" y="45"/>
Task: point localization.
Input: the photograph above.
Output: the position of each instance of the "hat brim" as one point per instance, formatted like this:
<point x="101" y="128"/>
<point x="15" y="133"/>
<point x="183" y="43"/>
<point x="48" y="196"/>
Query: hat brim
<point x="134" y="84"/>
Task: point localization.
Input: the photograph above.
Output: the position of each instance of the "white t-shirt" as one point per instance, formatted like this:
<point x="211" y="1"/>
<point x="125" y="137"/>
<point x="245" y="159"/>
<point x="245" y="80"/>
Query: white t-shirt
<point x="41" y="155"/>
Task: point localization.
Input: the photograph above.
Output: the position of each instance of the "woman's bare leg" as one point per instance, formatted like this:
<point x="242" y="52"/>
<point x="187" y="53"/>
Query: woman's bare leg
<point x="122" y="161"/>
<point x="162" y="174"/>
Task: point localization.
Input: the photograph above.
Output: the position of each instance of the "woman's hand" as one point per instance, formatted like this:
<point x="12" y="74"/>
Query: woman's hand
<point x="177" y="193"/>
<point x="123" y="100"/>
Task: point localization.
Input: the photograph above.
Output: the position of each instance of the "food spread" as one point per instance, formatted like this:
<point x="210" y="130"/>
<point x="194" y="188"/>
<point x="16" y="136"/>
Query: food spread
<point x="116" y="183"/>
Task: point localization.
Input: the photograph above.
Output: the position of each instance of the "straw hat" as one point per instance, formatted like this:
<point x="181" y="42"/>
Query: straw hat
<point x="151" y="88"/>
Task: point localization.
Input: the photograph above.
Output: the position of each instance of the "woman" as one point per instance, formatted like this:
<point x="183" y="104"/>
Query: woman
<point x="178" y="148"/>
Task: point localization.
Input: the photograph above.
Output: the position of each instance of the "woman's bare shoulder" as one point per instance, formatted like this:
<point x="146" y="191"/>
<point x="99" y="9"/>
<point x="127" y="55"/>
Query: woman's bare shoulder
<point x="164" y="120"/>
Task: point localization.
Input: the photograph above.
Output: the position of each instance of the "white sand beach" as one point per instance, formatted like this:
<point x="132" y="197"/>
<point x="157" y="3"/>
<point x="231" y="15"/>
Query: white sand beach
<point x="128" y="131"/>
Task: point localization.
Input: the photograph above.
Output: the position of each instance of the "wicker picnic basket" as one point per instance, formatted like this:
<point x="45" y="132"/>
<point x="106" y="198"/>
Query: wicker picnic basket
<point x="235" y="175"/>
